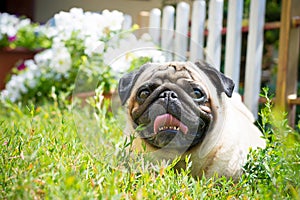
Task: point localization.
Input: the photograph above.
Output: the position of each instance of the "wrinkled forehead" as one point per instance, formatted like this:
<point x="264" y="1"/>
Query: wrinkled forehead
<point x="173" y="72"/>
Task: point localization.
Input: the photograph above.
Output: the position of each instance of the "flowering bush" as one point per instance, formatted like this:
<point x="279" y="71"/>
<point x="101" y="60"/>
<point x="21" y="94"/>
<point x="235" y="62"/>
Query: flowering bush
<point x="87" y="47"/>
<point x="21" y="32"/>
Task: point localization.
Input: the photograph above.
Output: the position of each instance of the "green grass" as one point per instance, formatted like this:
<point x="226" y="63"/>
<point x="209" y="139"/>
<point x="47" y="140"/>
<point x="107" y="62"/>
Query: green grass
<point x="52" y="152"/>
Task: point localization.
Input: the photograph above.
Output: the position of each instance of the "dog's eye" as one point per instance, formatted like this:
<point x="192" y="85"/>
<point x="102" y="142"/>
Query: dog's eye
<point x="197" y="94"/>
<point x="145" y="91"/>
<point x="143" y="94"/>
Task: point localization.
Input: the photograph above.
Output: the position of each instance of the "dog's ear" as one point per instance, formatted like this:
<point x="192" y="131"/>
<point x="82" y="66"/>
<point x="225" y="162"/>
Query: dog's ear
<point x="222" y="83"/>
<point x="125" y="85"/>
<point x="127" y="82"/>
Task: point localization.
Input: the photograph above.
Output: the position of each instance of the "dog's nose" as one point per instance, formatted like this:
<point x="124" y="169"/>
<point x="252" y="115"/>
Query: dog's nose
<point x="168" y="94"/>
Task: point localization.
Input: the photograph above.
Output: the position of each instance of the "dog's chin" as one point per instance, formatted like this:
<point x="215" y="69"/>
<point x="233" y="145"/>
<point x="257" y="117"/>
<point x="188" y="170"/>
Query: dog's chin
<point x="174" y="139"/>
<point x="180" y="138"/>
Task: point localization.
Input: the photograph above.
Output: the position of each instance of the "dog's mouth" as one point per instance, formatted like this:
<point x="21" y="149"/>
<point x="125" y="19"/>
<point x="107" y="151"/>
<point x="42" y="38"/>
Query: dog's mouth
<point x="168" y="131"/>
<point x="169" y="123"/>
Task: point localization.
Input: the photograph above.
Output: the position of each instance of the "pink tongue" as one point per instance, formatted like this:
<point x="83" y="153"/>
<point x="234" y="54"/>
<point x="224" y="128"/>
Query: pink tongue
<point x="168" y="120"/>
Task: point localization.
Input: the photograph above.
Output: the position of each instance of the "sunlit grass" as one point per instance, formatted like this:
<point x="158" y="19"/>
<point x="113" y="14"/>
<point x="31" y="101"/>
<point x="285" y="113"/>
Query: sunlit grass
<point x="45" y="154"/>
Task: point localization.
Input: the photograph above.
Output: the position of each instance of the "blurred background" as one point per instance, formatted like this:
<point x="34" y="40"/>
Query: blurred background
<point x="42" y="10"/>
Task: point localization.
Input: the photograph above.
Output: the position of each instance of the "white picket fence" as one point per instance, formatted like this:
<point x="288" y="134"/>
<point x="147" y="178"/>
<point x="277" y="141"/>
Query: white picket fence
<point x="179" y="35"/>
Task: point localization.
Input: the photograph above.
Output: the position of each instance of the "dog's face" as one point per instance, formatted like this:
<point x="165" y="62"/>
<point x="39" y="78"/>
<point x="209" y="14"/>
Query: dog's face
<point x="172" y="102"/>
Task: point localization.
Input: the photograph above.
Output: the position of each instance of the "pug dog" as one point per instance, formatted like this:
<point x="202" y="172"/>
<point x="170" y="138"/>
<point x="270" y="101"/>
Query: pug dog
<point x="180" y="109"/>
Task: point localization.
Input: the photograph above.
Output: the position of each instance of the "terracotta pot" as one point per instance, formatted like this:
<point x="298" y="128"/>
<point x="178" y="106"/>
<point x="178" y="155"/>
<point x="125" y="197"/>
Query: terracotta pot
<point x="9" y="58"/>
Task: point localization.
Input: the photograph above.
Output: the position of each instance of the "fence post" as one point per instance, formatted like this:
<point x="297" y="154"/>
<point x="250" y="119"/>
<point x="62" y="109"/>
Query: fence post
<point x="289" y="41"/>
<point x="167" y="32"/>
<point x="127" y="23"/>
<point x="154" y="25"/>
<point x="181" y="34"/>
<point x="197" y="30"/>
<point x="233" y="41"/>
<point x="254" y="55"/>
<point x="215" y="18"/>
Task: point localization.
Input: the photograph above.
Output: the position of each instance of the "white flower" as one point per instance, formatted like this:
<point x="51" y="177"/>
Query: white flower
<point x="50" y="31"/>
<point x="64" y="24"/>
<point x="19" y="83"/>
<point x="76" y="12"/>
<point x="23" y="23"/>
<point x="13" y="96"/>
<point x="14" y="88"/>
<point x="10" y="24"/>
<point x="4" y="95"/>
<point x="93" y="45"/>
<point x="41" y="59"/>
<point x="61" y="61"/>
<point x="113" y="20"/>
<point x="93" y="25"/>
<point x="86" y="24"/>
<point x="30" y="79"/>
